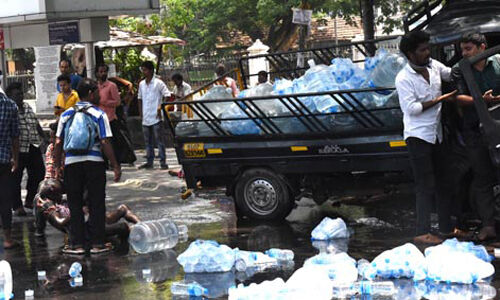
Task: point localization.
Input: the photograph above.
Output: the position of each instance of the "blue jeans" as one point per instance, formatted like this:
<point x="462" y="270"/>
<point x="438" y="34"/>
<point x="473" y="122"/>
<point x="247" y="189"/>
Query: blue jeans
<point x="152" y="137"/>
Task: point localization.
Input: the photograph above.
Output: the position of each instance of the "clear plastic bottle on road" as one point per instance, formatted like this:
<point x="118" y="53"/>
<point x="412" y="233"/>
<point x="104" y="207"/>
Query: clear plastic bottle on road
<point x="75" y="269"/>
<point x="378" y="288"/>
<point x="151" y="236"/>
<point x="5" y="280"/>
<point x="362" y="265"/>
<point x="280" y="254"/>
<point x="188" y="288"/>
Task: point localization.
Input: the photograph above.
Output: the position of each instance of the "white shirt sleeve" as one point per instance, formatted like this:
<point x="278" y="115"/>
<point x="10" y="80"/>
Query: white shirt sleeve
<point x="187" y="89"/>
<point x="444" y="71"/>
<point x="60" y="128"/>
<point x="163" y="89"/>
<point x="407" y="100"/>
<point x="139" y="92"/>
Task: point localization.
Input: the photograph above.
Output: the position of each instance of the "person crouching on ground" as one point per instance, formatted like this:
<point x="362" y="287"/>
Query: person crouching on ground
<point x="84" y="169"/>
<point x="51" y="207"/>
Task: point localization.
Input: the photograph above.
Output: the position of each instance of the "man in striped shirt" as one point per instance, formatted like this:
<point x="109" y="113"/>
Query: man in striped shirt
<point x="86" y="172"/>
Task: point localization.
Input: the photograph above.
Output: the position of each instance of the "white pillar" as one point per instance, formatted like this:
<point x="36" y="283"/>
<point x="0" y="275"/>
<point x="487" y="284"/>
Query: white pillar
<point x="256" y="65"/>
<point x="90" y="59"/>
<point x="46" y="72"/>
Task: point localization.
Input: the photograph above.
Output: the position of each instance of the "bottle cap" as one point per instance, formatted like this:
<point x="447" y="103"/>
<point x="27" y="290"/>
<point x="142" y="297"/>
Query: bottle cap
<point x="29" y="293"/>
<point x="182" y="231"/>
<point x="497" y="252"/>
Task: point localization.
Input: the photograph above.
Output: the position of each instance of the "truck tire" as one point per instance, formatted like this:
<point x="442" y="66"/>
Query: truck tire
<point x="262" y="194"/>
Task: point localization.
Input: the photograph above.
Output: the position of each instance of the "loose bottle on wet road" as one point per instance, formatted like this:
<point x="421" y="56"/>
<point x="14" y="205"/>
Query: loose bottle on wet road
<point x="362" y="265"/>
<point x="151" y="236"/>
<point x="280" y="254"/>
<point x="5" y="280"/>
<point x="375" y="288"/>
<point x="188" y="288"/>
<point x="75" y="269"/>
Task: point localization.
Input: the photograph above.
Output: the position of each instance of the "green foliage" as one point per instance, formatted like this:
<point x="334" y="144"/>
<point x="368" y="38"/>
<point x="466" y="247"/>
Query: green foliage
<point x="129" y="61"/>
<point x="204" y="23"/>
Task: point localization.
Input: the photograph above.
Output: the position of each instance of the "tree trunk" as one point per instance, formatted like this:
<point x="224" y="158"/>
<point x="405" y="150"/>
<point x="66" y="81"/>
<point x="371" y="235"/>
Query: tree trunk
<point x="368" y="19"/>
<point x="283" y="37"/>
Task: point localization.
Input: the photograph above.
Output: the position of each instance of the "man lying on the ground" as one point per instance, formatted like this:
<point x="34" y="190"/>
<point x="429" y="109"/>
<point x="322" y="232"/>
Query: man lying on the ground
<point x="51" y="207"/>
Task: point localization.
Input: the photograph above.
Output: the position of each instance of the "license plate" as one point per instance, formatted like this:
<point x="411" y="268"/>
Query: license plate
<point x="193" y="150"/>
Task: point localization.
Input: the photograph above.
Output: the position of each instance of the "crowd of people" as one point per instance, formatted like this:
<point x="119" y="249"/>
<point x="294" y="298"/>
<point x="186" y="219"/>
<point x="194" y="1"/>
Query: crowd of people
<point x="67" y="187"/>
<point x="419" y="85"/>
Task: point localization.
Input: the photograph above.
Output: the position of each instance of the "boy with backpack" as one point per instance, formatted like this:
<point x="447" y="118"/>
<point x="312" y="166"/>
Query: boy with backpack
<point x="83" y="133"/>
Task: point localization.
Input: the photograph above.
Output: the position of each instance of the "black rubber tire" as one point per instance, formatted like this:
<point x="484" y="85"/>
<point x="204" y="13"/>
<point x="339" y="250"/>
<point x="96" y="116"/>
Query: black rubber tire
<point x="279" y="206"/>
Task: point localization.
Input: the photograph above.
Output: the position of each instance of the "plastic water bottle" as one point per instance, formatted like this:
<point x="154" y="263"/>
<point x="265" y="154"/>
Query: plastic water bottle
<point x="363" y="264"/>
<point x="280" y="254"/>
<point x="76" y="281"/>
<point x="156" y="235"/>
<point x="240" y="265"/>
<point x="75" y="269"/>
<point x="378" y="288"/>
<point x="42" y="275"/>
<point x="188" y="288"/>
<point x="5" y="280"/>
<point x="29" y="294"/>
<point x="384" y="74"/>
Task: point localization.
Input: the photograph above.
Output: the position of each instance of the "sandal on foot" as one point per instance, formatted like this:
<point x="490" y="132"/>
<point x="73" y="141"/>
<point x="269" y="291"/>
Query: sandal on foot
<point x="74" y="251"/>
<point x="101" y="249"/>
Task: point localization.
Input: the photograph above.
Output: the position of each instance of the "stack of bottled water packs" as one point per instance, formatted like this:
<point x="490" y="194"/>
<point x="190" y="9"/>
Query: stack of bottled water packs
<point x="405" y="261"/>
<point x="330" y="229"/>
<point x="458" y="262"/>
<point x="403" y="272"/>
<point x="206" y="256"/>
<point x="341" y="74"/>
<point x="450" y="262"/>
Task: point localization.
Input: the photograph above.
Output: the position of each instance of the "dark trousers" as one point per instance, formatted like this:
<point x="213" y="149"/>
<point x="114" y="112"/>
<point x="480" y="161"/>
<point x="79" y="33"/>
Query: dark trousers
<point x="78" y="177"/>
<point x="485" y="176"/>
<point x="428" y="164"/>
<point x="6" y="195"/>
<point x="122" y="146"/>
<point x="34" y="165"/>
<point x="152" y="137"/>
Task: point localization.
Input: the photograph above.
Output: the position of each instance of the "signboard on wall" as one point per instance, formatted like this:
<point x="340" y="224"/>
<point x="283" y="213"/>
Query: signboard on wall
<point x="64" y="33"/>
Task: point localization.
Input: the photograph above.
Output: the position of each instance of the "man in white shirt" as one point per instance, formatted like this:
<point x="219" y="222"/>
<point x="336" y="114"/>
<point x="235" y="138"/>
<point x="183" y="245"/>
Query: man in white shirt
<point x="152" y="92"/>
<point x="181" y="88"/>
<point x="419" y="88"/>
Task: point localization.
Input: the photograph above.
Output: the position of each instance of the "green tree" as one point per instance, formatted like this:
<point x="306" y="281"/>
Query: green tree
<point x="204" y="23"/>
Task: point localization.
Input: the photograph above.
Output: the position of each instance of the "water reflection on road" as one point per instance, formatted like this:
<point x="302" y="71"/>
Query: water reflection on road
<point x="377" y="226"/>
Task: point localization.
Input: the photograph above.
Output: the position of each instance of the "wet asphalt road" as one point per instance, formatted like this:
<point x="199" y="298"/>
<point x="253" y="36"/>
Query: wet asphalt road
<point x="154" y="194"/>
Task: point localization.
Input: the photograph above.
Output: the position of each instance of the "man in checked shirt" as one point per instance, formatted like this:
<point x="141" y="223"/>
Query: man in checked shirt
<point x="9" y="151"/>
<point x="31" y="136"/>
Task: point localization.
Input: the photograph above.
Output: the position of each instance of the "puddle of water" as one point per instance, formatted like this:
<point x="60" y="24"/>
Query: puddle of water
<point x="126" y="275"/>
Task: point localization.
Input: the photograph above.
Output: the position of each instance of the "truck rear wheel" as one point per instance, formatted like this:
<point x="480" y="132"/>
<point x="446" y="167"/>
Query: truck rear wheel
<point x="262" y="194"/>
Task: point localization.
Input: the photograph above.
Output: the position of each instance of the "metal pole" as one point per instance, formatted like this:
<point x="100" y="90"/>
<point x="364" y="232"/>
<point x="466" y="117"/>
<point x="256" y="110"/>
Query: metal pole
<point x="90" y="59"/>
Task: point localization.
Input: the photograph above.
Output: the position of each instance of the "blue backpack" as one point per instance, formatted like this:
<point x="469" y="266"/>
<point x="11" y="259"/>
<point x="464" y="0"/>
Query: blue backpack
<point x="80" y="132"/>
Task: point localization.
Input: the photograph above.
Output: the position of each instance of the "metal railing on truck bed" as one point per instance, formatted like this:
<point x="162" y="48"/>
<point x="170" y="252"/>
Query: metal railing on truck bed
<point x="293" y="64"/>
<point x="291" y="114"/>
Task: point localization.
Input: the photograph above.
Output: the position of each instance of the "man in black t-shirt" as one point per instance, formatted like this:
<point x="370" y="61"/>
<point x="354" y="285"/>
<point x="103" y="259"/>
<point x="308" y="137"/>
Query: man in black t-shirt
<point x="487" y="76"/>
